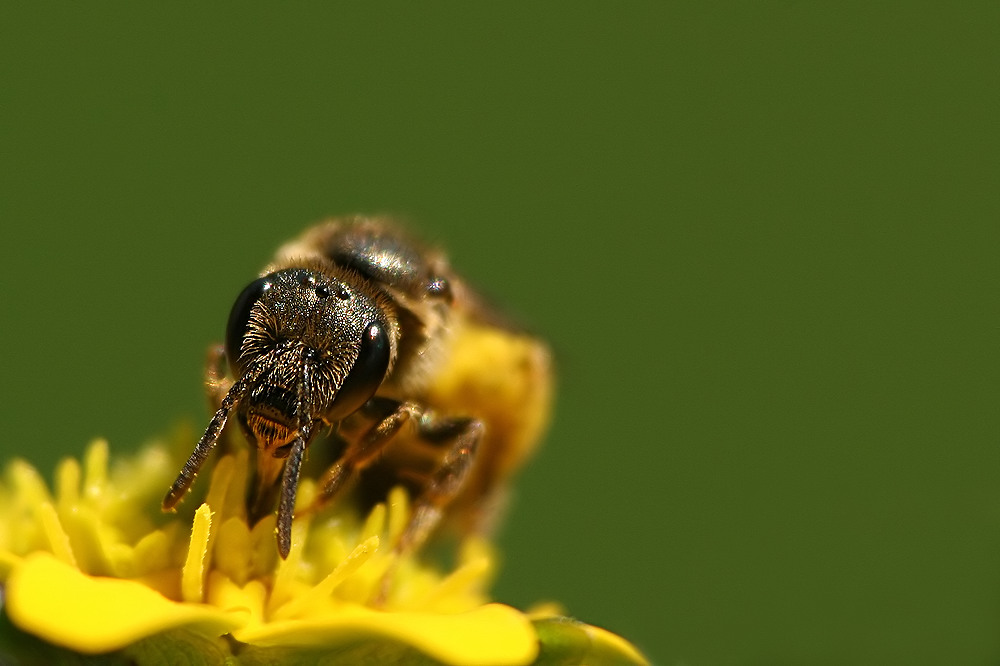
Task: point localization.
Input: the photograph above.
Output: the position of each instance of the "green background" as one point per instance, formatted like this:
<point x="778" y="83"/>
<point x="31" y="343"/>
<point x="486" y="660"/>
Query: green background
<point x="762" y="239"/>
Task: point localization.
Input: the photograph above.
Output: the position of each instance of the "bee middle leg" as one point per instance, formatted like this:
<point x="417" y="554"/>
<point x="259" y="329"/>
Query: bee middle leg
<point x="461" y="436"/>
<point x="458" y="437"/>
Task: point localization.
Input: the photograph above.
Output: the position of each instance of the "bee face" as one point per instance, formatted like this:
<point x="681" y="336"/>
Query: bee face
<point x="314" y="345"/>
<point x="358" y="328"/>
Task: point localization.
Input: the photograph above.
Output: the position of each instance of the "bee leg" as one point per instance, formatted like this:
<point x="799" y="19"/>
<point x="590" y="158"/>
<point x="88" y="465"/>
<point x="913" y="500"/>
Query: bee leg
<point x="205" y="445"/>
<point x="442" y="487"/>
<point x="446" y="481"/>
<point x="393" y="416"/>
<point x="217" y="384"/>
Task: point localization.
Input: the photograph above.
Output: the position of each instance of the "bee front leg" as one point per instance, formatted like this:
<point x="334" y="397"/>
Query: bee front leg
<point x="217" y="384"/>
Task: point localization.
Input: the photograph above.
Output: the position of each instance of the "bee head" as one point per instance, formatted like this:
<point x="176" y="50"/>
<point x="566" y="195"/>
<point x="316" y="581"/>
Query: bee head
<point x="315" y="344"/>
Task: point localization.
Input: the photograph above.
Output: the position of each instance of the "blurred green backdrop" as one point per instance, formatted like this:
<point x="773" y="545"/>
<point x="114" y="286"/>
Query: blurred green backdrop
<point x="762" y="239"/>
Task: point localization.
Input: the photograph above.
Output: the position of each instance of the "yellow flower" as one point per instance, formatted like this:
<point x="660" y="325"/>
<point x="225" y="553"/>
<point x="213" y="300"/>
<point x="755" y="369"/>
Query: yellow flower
<point x="94" y="567"/>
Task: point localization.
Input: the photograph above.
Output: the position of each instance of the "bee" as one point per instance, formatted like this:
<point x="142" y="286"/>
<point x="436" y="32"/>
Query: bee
<point x="362" y="340"/>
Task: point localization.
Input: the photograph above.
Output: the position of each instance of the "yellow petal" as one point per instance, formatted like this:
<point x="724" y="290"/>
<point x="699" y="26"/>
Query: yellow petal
<point x="61" y="605"/>
<point x="58" y="539"/>
<point x="68" y="484"/>
<point x="232" y="550"/>
<point x="95" y="468"/>
<point x="319" y="592"/>
<point x="8" y="561"/>
<point x="228" y="595"/>
<point x="486" y="636"/>
<point x="193" y="576"/>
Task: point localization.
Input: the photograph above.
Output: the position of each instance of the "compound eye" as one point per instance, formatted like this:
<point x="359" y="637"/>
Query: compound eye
<point x="366" y="375"/>
<point x="239" y="318"/>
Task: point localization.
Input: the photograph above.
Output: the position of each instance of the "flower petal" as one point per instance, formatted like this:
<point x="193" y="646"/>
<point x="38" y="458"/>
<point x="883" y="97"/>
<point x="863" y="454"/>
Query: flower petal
<point x="486" y="636"/>
<point x="89" y="614"/>
<point x="193" y="573"/>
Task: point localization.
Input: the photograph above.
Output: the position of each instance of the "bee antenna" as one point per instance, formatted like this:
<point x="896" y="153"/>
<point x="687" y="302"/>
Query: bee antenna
<point x="289" y="487"/>
<point x="205" y="445"/>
